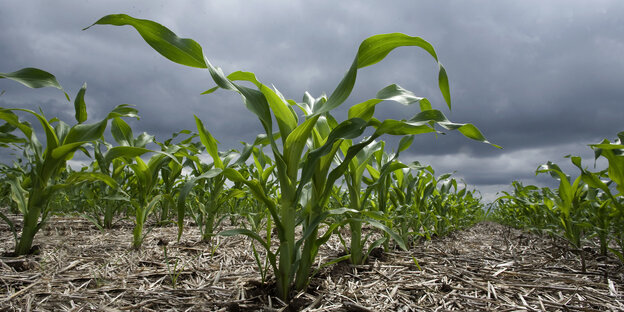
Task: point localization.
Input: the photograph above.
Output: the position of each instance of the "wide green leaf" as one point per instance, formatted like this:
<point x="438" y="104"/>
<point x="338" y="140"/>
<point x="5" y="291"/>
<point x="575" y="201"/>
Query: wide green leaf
<point x="180" y="50"/>
<point x="52" y="140"/>
<point x="122" y="133"/>
<point x="86" y="132"/>
<point x="123" y="110"/>
<point x="124" y="151"/>
<point x="366" y="109"/>
<point x="286" y="120"/>
<point x="33" y="78"/>
<point x="18" y="194"/>
<point x="373" y="50"/>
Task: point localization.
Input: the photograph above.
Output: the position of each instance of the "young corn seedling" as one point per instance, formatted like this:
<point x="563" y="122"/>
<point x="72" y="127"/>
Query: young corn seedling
<point x="171" y="173"/>
<point x="571" y="203"/>
<point x="145" y="176"/>
<point x="297" y="167"/>
<point x="210" y="192"/>
<point x="109" y="202"/>
<point x="410" y="196"/>
<point x="614" y="153"/>
<point x="527" y="207"/>
<point x="358" y="199"/>
<point x="33" y="191"/>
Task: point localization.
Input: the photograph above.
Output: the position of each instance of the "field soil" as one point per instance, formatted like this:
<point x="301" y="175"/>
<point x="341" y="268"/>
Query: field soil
<point x="488" y="267"/>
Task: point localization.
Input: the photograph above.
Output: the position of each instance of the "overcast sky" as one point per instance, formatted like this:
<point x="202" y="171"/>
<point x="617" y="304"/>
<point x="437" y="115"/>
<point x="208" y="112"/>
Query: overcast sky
<point x="543" y="79"/>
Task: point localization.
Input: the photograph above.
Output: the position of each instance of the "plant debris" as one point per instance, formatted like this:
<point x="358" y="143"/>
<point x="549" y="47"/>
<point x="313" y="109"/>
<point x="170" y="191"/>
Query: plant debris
<point x="486" y="267"/>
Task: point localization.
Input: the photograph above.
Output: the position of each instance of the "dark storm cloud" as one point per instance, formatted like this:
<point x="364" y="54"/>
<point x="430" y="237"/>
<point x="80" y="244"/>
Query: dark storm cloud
<point x="543" y="79"/>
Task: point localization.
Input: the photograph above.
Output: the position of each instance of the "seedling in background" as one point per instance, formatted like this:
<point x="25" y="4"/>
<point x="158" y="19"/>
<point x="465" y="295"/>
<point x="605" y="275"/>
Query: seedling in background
<point x="33" y="190"/>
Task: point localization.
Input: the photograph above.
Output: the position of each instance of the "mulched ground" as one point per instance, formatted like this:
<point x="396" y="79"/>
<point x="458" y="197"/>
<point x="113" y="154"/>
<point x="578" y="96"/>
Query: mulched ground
<point x="488" y="267"/>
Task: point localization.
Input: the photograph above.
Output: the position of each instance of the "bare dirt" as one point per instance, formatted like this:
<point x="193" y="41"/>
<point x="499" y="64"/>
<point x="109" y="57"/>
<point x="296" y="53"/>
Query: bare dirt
<point x="488" y="267"/>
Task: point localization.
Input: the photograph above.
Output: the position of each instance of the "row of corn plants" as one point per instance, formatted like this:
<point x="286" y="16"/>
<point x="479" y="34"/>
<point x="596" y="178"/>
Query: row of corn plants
<point x="319" y="175"/>
<point x="588" y="206"/>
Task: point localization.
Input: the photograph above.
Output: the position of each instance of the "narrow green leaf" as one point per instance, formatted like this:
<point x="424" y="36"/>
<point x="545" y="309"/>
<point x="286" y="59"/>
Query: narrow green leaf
<point x="443" y="83"/>
<point x="249" y="234"/>
<point x="293" y="147"/>
<point x="184" y="192"/>
<point x="80" y="105"/>
<point x="392" y="234"/>
<point x="209" y="142"/>
<point x="78" y="177"/>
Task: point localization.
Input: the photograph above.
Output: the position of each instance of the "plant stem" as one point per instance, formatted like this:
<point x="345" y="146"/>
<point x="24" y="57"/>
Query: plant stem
<point x="35" y="206"/>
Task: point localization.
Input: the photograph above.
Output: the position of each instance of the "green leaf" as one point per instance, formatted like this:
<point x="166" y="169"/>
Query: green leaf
<point x="392" y="234"/>
<point x="86" y="132"/>
<point x="164" y="41"/>
<point x="80" y="105"/>
<point x="78" y="177"/>
<point x="373" y="50"/>
<point x="293" y="147"/>
<point x="209" y="142"/>
<point x="400" y="127"/>
<point x="186" y="190"/>
<point x="123" y="110"/>
<point x="12" y="123"/>
<point x="366" y="109"/>
<point x="143" y="139"/>
<point x="19" y="195"/>
<point x="52" y="140"/>
<point x="249" y="234"/>
<point x="286" y="120"/>
<point x="124" y="151"/>
<point x="405" y="143"/>
<point x="33" y="78"/>
<point x="122" y="133"/>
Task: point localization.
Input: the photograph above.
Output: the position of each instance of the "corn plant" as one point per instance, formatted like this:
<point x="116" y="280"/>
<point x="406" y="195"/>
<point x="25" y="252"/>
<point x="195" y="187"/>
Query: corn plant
<point x="614" y="153"/>
<point x="210" y="193"/>
<point x="107" y="203"/>
<point x="142" y="183"/>
<point x="296" y="167"/>
<point x="590" y="206"/>
<point x="171" y="173"/>
<point x="527" y="207"/>
<point x="570" y="202"/>
<point x="454" y="208"/>
<point x="354" y="176"/>
<point x="33" y="190"/>
<point x="411" y="195"/>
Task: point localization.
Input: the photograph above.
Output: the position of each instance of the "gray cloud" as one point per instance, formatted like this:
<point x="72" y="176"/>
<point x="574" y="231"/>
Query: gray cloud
<point x="543" y="79"/>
